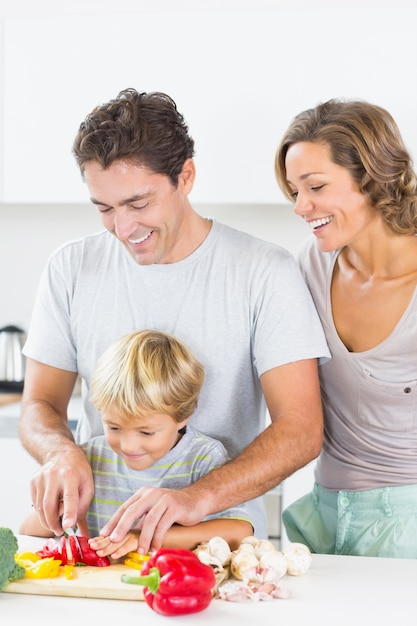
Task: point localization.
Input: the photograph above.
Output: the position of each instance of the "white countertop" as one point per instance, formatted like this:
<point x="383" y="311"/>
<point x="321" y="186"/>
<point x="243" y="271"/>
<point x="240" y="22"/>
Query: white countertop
<point x="336" y="591"/>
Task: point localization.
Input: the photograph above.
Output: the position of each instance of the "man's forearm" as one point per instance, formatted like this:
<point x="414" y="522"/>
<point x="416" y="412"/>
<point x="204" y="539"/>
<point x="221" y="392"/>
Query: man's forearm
<point x="273" y="456"/>
<point x="43" y="431"/>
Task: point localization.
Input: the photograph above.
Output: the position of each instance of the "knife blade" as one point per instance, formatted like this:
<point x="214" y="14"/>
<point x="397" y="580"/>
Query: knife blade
<point x="71" y="532"/>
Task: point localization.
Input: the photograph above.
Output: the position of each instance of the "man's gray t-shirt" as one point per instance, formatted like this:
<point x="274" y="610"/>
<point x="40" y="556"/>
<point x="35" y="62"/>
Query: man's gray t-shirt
<point x="239" y="303"/>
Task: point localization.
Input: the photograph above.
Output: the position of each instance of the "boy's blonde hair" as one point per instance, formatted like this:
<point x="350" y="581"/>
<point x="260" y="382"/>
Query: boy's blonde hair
<point x="147" y="372"/>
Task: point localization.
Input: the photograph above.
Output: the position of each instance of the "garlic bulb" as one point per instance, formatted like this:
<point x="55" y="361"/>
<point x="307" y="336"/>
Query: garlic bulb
<point x="262" y="546"/>
<point x="273" y="565"/>
<point x="219" y="549"/>
<point x="298" y="558"/>
<point x="246" y="547"/>
<point x="249" y="540"/>
<point x="244" y="565"/>
<point x="215" y="552"/>
<point x="207" y="558"/>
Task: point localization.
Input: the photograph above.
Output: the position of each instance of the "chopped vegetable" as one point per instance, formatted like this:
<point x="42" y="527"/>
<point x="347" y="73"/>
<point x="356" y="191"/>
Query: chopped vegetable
<point x="84" y="556"/>
<point x="175" y="582"/>
<point x="69" y="572"/>
<point x="136" y="560"/>
<point x="24" y="556"/>
<point x="37" y="567"/>
<point x="9" y="569"/>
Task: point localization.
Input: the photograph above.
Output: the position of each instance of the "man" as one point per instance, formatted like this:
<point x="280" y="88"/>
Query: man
<point x="239" y="303"/>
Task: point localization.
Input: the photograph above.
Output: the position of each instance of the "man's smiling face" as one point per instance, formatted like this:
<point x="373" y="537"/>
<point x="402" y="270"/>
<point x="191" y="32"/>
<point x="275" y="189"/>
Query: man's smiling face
<point x="143" y="209"/>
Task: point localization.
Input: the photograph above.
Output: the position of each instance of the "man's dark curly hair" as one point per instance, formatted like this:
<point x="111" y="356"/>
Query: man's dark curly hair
<point x="141" y="128"/>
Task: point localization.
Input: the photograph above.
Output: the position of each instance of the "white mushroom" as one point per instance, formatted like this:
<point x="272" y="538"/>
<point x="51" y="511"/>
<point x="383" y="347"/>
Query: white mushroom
<point x="298" y="558"/>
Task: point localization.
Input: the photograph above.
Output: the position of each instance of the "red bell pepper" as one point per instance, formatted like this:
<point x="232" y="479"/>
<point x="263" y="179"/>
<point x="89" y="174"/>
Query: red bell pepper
<point x="175" y="582"/>
<point x="84" y="556"/>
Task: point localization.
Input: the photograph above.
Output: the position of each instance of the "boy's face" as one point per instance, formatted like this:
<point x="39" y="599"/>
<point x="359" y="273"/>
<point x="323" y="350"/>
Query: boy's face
<point x="144" y="440"/>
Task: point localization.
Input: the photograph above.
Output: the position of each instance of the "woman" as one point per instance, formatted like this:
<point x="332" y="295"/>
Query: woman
<point x="346" y="169"/>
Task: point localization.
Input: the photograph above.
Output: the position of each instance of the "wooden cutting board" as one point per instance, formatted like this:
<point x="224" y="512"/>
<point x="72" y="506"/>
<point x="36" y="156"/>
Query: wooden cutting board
<point x="88" y="582"/>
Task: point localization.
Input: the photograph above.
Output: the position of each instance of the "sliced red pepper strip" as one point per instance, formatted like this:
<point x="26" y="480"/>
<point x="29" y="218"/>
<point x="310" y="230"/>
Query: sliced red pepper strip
<point x="175" y="582"/>
<point x="50" y="549"/>
<point x="87" y="556"/>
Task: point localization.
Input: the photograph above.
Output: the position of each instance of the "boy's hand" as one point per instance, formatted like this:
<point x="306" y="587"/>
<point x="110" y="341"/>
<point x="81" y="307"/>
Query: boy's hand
<point x="116" y="550"/>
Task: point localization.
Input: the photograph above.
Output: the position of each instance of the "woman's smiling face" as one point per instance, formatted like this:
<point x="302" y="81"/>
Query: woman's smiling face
<point x="326" y="196"/>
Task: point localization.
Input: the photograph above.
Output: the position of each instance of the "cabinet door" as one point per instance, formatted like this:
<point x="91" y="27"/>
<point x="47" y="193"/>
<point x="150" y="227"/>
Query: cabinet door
<point x="210" y="62"/>
<point x="16" y="469"/>
<point x="238" y="75"/>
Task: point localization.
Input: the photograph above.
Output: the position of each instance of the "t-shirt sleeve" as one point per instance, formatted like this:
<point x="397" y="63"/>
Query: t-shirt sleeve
<point x="49" y="337"/>
<point x="287" y="327"/>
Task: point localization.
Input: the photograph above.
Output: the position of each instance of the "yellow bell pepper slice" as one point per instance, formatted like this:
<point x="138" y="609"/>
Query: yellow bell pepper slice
<point x="36" y="567"/>
<point x="69" y="572"/>
<point x="27" y="556"/>
<point x="136" y="560"/>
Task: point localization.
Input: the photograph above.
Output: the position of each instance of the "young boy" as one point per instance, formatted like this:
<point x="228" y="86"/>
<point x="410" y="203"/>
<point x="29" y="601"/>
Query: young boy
<point x="146" y="387"/>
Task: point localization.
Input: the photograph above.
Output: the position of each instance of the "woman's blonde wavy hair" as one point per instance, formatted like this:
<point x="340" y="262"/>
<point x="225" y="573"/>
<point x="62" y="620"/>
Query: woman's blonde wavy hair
<point x="365" y="139"/>
<point x="147" y="372"/>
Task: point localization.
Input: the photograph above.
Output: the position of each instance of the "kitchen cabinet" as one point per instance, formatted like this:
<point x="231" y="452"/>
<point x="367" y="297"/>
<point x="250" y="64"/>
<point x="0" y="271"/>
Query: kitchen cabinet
<point x="16" y="469"/>
<point x="239" y="75"/>
<point x="16" y="465"/>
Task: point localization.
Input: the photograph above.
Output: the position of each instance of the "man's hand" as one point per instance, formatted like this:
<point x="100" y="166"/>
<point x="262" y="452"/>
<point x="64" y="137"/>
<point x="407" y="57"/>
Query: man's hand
<point x="153" y="511"/>
<point x="63" y="487"/>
